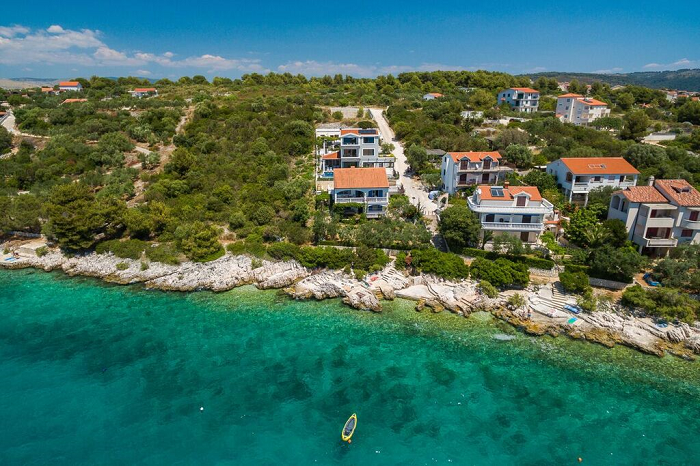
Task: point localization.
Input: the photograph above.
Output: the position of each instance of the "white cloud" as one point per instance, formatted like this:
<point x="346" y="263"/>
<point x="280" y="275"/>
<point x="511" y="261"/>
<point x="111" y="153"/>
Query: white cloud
<point x="616" y="69"/>
<point x="142" y="72"/>
<point x="678" y="64"/>
<point x="316" y="68"/>
<point x="20" y="45"/>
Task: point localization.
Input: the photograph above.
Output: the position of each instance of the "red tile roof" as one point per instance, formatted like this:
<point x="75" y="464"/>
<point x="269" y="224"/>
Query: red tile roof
<point x="145" y="89"/>
<point x="599" y="166"/>
<point x="510" y="192"/>
<point x="570" y="95"/>
<point x="473" y="156"/>
<point x="680" y="192"/>
<point x="643" y="194"/>
<point x="525" y="89"/>
<point x="344" y="178"/>
<point x="357" y="131"/>
<point x="69" y="84"/>
<point x="331" y="156"/>
<point x="47" y="89"/>
<point x="593" y="102"/>
<point x="435" y="94"/>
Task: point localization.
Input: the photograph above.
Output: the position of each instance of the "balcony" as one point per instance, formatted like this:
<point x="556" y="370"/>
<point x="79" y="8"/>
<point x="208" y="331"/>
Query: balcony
<point x="375" y="214"/>
<point x="345" y="200"/>
<point x="660" y="222"/>
<point x="377" y="200"/>
<point x="491" y="169"/>
<point x="656" y="242"/>
<point x="586" y="186"/>
<point x="690" y="224"/>
<point x="512" y="226"/>
<point x="545" y="208"/>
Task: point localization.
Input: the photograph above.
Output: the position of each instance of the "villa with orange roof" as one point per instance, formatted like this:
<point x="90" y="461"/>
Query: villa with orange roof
<point x="367" y="187"/>
<point x="462" y="169"/>
<point x="66" y="86"/>
<point x="359" y="147"/>
<point x="432" y="96"/>
<point x="520" y="99"/>
<point x="580" y="110"/>
<point x="520" y="211"/>
<point x="659" y="216"/>
<point x="579" y="176"/>
<point x="140" y="92"/>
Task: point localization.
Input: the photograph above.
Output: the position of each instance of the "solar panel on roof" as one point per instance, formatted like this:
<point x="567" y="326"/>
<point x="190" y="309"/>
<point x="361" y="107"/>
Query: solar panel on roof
<point x="367" y="131"/>
<point x="496" y="192"/>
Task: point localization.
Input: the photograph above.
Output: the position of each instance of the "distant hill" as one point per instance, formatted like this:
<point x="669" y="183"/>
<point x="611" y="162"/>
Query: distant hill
<point x="23" y="83"/>
<point x="685" y="80"/>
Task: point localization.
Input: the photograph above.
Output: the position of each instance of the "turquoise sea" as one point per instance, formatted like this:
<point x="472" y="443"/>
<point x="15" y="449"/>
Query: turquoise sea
<point x="96" y="374"/>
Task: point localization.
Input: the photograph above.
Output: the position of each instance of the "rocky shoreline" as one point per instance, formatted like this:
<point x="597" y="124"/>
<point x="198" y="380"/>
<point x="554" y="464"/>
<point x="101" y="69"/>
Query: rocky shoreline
<point x="609" y="326"/>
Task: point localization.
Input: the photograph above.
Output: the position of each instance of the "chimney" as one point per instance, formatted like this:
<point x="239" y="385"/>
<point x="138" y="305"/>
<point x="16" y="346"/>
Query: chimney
<point x="506" y="184"/>
<point x="651" y="180"/>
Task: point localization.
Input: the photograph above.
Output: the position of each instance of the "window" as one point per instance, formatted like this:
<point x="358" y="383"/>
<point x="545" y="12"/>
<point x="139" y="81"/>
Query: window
<point x="489" y="218"/>
<point x="350" y="141"/>
<point x="569" y="177"/>
<point x="368" y="140"/>
<point x="597" y="178"/>
<point x="349" y="152"/>
<point x="686" y="233"/>
<point x="622" y="178"/>
<point x="521" y="201"/>
<point x="615" y="203"/>
<point x="369" y="152"/>
<point x="693" y="216"/>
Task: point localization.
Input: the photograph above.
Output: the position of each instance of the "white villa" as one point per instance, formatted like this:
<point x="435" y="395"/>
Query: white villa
<point x="580" y="110"/>
<point x="462" y="169"/>
<point x="70" y="86"/>
<point x="514" y="210"/>
<point x="366" y="186"/>
<point x="358" y="148"/>
<point x="659" y="216"/>
<point x="140" y="92"/>
<point x="520" y="99"/>
<point x="581" y="175"/>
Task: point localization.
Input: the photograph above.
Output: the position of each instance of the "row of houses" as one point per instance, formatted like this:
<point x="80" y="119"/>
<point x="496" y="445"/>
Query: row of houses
<point x="75" y="86"/>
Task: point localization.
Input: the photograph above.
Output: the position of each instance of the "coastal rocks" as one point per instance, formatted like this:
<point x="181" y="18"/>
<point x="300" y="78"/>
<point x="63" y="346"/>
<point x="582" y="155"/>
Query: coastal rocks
<point x="330" y="284"/>
<point x="277" y="275"/>
<point x="361" y="298"/>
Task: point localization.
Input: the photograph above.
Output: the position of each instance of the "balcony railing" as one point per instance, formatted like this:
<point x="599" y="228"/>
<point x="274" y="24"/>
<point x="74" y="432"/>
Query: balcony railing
<point x="363" y="200"/>
<point x="377" y="200"/>
<point x="545" y="208"/>
<point x="661" y="222"/>
<point x="656" y="242"/>
<point x="590" y="185"/>
<point x="479" y="169"/>
<point x="375" y="214"/>
<point x="691" y="224"/>
<point x="512" y="226"/>
<point x="345" y="200"/>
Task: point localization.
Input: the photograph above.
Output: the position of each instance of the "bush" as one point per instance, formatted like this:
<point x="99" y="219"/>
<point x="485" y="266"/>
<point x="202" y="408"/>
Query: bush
<point x="400" y="262"/>
<point x="128" y="249"/>
<point x="574" y="282"/>
<point x="283" y="251"/>
<point x="488" y="289"/>
<point x="442" y="264"/>
<point x="516" y="301"/>
<point x="164" y="253"/>
<point x="666" y="303"/>
<point x="534" y="262"/>
<point x="122" y="266"/>
<point x="42" y="251"/>
<point x="501" y="272"/>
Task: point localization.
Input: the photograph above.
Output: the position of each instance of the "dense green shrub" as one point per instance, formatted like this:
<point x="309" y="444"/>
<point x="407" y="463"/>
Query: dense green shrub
<point x="283" y="251"/>
<point x="667" y="303"/>
<point x="122" y="266"/>
<point x="488" y="289"/>
<point x="439" y="263"/>
<point x="501" y="272"/>
<point x="164" y="253"/>
<point x="534" y="262"/>
<point x="574" y="282"/>
<point x="128" y="249"/>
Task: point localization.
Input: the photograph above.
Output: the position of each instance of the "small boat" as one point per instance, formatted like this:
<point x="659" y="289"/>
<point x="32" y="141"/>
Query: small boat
<point x="349" y="428"/>
<point x="572" y="309"/>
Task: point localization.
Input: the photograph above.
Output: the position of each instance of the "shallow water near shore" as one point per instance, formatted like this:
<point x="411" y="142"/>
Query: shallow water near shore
<point x="103" y="374"/>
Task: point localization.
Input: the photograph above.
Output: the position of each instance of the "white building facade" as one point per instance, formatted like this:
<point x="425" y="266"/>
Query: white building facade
<point x="580" y="175"/>
<point x="580" y="110"/>
<point x="519" y="211"/>
<point x="520" y="99"/>
<point x="66" y="86"/>
<point x="462" y="169"/>
<point x="368" y="187"/>
<point x="659" y="216"/>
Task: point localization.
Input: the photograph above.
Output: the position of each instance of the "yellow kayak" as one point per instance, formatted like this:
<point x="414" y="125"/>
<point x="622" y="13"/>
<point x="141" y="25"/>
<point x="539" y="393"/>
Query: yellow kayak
<point x="349" y="428"/>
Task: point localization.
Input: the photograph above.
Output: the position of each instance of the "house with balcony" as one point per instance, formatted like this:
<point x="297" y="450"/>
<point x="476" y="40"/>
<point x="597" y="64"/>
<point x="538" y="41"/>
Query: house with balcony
<point x="141" y="92"/>
<point x="659" y="216"/>
<point x="462" y="169"/>
<point x="66" y="86"/>
<point x="580" y="175"/>
<point x="363" y="189"/>
<point x="358" y="148"/>
<point x="519" y="211"/>
<point x="580" y="110"/>
<point x="520" y="99"/>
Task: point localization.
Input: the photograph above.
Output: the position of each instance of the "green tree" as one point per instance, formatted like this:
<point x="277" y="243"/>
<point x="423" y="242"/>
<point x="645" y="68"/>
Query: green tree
<point x="459" y="226"/>
<point x="5" y="140"/>
<point x="625" y="100"/>
<point x="519" y="155"/>
<point x="199" y="241"/>
<point x="481" y="99"/>
<point x="417" y="158"/>
<point x="581" y="222"/>
<point x="619" y="264"/>
<point x="635" y="126"/>
<point x="542" y="180"/>
<point x="690" y="112"/>
<point x="511" y="136"/>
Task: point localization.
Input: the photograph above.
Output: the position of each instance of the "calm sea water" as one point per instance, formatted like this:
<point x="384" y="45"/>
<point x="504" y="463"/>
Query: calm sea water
<point x="99" y="375"/>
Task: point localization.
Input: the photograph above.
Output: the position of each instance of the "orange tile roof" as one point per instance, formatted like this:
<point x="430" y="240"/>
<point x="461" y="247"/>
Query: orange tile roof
<point x="679" y="191"/>
<point x="593" y="102"/>
<point x="525" y="89"/>
<point x="570" y="95"/>
<point x="145" y="89"/>
<point x="375" y="177"/>
<point x="69" y="83"/>
<point x="70" y="101"/>
<point x="331" y="156"/>
<point x="473" y="156"/>
<point x="435" y="94"/>
<point x="47" y="89"/>
<point x="599" y="166"/>
<point x="357" y="131"/>
<point x="643" y="194"/>
<point x="510" y="192"/>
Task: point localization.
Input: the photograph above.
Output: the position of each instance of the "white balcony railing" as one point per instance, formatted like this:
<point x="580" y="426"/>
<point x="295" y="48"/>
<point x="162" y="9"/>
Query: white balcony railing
<point x="691" y="224"/>
<point x="660" y="222"/>
<point x="591" y="185"/>
<point x="377" y="200"/>
<point x="545" y="208"/>
<point x="512" y="226"/>
<point x="345" y="200"/>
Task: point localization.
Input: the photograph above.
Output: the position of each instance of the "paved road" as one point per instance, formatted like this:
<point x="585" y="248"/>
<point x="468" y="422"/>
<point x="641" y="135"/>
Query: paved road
<point x="413" y="188"/>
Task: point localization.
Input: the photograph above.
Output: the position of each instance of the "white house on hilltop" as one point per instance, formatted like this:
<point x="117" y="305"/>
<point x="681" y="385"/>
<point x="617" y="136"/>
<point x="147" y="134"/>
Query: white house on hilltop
<point x="462" y="169"/>
<point x="579" y="176"/>
<point x="580" y="110"/>
<point x="514" y="210"/>
<point x="140" y="92"/>
<point x="66" y="86"/>
<point x="659" y="216"/>
<point x="520" y="99"/>
<point x="366" y="186"/>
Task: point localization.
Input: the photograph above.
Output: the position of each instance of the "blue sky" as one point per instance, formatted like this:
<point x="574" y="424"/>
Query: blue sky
<point x="172" y="39"/>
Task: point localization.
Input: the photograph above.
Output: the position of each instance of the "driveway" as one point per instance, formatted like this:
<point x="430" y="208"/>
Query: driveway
<point x="413" y="188"/>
